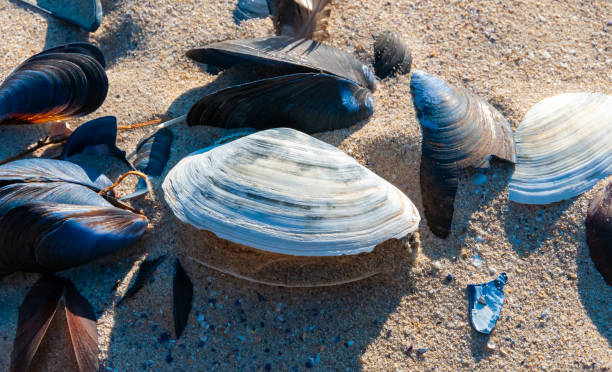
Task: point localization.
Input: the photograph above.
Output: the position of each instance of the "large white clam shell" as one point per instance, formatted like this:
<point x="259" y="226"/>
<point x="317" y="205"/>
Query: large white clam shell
<point x="564" y="147"/>
<point x="283" y="191"/>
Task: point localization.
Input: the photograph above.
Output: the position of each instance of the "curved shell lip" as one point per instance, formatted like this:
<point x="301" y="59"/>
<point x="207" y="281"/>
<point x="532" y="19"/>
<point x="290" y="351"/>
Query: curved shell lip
<point x="293" y="243"/>
<point x="547" y="127"/>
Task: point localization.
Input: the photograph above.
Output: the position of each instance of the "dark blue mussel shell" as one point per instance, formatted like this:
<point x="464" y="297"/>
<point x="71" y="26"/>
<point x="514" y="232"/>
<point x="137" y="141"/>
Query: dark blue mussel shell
<point x="153" y="152"/>
<point x="86" y="14"/>
<point x="460" y="130"/>
<point x="52" y="218"/>
<point x="309" y="102"/>
<point x="599" y="232"/>
<point x="58" y="83"/>
<point x="485" y="303"/>
<point x="249" y="9"/>
<point x="96" y="137"/>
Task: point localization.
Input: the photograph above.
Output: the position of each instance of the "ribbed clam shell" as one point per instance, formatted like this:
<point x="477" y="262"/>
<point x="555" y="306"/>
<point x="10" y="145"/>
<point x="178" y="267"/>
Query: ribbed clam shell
<point x="460" y="130"/>
<point x="564" y="147"/>
<point x="283" y="191"/>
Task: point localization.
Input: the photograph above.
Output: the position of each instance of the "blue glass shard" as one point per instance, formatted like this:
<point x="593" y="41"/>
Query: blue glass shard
<point x="485" y="303"/>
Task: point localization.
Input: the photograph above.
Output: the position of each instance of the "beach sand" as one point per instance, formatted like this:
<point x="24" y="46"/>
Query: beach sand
<point x="558" y="310"/>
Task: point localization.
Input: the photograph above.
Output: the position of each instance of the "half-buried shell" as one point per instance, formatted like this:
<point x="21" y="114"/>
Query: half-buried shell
<point x="564" y="147"/>
<point x="460" y="130"/>
<point x="290" y="205"/>
<point x="391" y="55"/>
<point x="599" y="232"/>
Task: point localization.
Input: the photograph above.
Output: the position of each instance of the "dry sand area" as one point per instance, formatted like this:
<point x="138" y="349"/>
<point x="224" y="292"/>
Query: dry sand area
<point x="558" y="310"/>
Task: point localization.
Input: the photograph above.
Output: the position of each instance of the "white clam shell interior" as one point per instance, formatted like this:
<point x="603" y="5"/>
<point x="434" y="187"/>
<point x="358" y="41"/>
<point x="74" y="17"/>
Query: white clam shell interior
<point x="564" y="147"/>
<point x="283" y="191"/>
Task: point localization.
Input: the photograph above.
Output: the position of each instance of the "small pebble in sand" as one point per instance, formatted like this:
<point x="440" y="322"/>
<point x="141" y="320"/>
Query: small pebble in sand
<point x="610" y="23"/>
<point x="491" y="345"/>
<point x="436" y="265"/>
<point x="492" y="271"/>
<point x="449" y="278"/>
<point x="476" y="260"/>
<point x="422" y="350"/>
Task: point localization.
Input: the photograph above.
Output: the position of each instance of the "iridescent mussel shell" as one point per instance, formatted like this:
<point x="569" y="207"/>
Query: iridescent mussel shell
<point x="485" y="303"/>
<point x="460" y="130"/>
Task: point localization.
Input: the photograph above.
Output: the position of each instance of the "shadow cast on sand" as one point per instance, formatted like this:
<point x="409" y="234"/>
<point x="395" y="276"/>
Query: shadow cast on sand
<point x="595" y="294"/>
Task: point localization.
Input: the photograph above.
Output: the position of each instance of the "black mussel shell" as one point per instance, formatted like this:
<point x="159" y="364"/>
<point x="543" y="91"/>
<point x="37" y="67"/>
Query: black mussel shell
<point x="52" y="217"/>
<point x="391" y="55"/>
<point x="153" y="152"/>
<point x="96" y="137"/>
<point x="59" y="83"/>
<point x="86" y="14"/>
<point x="460" y="130"/>
<point x="308" y="102"/>
<point x="286" y="53"/>
<point x="599" y="232"/>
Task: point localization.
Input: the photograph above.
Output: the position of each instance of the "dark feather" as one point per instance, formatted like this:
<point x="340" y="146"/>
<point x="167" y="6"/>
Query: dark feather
<point x="60" y="83"/>
<point x="183" y="297"/>
<point x="307" y="102"/>
<point x="83" y="329"/>
<point x="391" y="55"/>
<point x="35" y="314"/>
<point x="286" y="53"/>
<point x="145" y="271"/>
<point x="96" y="137"/>
<point x="599" y="232"/>
<point x="302" y="19"/>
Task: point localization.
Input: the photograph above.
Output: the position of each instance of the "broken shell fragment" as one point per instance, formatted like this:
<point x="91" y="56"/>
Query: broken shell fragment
<point x="391" y="55"/>
<point x="485" y="303"/>
<point x="284" y="193"/>
<point x="460" y="130"/>
<point x="599" y="232"/>
<point x="249" y="9"/>
<point x="564" y="147"/>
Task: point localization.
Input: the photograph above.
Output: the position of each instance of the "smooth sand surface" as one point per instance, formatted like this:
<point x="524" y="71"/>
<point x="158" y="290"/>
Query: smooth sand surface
<point x="558" y="311"/>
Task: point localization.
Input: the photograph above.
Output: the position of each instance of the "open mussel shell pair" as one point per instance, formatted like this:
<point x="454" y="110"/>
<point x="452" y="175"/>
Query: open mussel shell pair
<point x="52" y="217"/>
<point x="288" y="209"/>
<point x="320" y="88"/>
<point x="460" y="130"/>
<point x="392" y="55"/>
<point x="564" y="147"/>
<point x="599" y="232"/>
<point x="55" y="84"/>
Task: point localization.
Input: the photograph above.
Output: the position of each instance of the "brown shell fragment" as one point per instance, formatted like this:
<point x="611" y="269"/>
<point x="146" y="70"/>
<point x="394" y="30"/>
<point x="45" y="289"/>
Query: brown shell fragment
<point x="599" y="232"/>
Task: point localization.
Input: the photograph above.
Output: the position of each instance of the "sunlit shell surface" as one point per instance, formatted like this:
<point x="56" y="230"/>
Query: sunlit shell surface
<point x="283" y="191"/>
<point x="460" y="130"/>
<point x="564" y="147"/>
